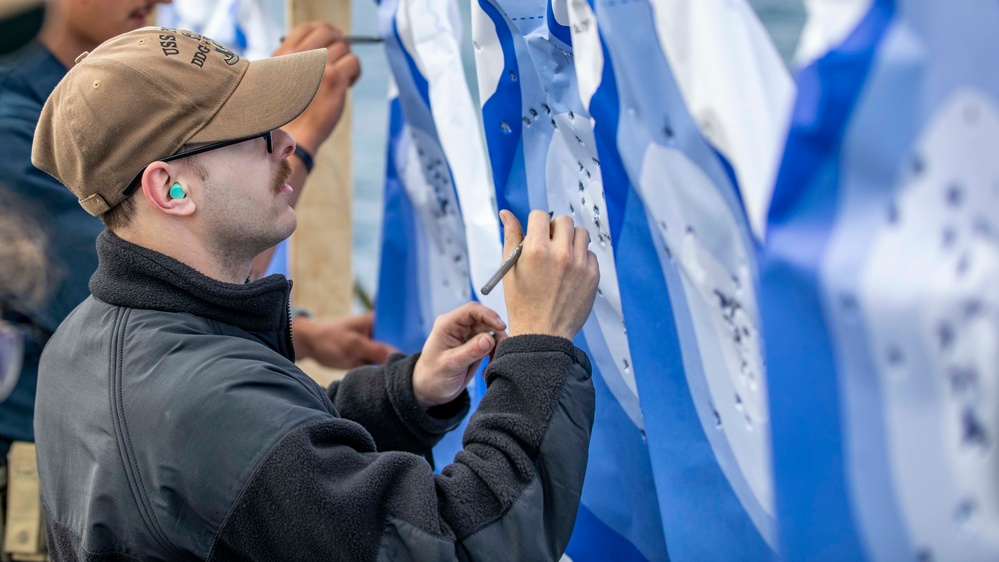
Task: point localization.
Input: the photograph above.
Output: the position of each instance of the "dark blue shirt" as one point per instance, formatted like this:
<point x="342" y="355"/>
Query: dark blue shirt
<point x="27" y="77"/>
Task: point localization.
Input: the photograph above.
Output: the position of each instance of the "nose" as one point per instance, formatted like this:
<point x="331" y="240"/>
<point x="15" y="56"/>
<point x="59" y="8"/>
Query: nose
<point x="284" y="143"/>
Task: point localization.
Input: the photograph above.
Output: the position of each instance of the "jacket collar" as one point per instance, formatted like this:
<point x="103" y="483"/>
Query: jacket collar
<point x="136" y="277"/>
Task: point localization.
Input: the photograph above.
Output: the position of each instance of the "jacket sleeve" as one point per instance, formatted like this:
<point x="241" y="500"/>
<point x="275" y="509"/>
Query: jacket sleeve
<point x="512" y="493"/>
<point x="380" y="397"/>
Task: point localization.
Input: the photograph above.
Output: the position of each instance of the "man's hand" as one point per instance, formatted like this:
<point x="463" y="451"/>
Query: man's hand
<point x="315" y="124"/>
<point x="552" y="287"/>
<point x="341" y="344"/>
<point x="458" y="342"/>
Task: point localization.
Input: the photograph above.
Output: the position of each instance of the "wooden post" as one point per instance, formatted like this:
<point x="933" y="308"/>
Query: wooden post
<point x="319" y="253"/>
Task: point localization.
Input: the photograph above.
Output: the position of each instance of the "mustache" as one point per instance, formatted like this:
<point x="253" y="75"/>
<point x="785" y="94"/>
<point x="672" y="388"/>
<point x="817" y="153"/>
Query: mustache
<point x="283" y="175"/>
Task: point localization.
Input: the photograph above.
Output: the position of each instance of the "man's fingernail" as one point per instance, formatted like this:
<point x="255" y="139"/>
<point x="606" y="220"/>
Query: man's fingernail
<point x="485" y="343"/>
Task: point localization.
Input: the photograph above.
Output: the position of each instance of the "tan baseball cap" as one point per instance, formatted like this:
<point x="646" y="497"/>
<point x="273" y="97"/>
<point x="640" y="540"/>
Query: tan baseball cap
<point x="143" y="95"/>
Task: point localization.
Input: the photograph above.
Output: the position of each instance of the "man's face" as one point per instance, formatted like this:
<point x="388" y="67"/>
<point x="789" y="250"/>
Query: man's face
<point x="244" y="197"/>
<point x="99" y="20"/>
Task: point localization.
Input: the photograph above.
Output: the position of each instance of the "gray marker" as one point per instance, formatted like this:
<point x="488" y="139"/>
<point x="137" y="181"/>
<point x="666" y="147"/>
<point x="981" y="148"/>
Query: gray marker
<point x="507" y="266"/>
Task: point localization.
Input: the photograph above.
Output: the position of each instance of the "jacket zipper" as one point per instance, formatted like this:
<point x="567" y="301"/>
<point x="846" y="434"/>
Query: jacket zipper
<point x="291" y="335"/>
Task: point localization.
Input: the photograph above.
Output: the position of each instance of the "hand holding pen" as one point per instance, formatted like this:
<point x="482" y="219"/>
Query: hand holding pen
<point x="551" y="284"/>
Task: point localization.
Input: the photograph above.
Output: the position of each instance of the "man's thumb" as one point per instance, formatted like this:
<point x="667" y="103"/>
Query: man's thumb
<point x="513" y="233"/>
<point x="471" y="351"/>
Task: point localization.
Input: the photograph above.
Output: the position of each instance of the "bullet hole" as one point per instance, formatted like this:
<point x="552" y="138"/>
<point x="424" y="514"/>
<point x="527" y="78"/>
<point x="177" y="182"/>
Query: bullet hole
<point x="595" y="161"/>
<point x="581" y="188"/>
<point x="918" y="165"/>
<point x="718" y="421"/>
<point x="600" y="292"/>
<point x="627" y="366"/>
<point x="982" y="228"/>
<point x="582" y="200"/>
<point x="554" y="125"/>
<point x="579" y="140"/>
<point x="580" y="164"/>
<point x="662" y="226"/>
<point x="955" y="195"/>
<point x="547" y="109"/>
<point x="963" y="381"/>
<point x="972" y="432"/>
<point x="513" y="76"/>
<point x="596" y="211"/>
<point x="945" y="336"/>
<point x="572" y="116"/>
<point x="924" y="555"/>
<point x="965" y="511"/>
<point x="534" y="113"/>
<point x="476" y="45"/>
<point x="963" y="264"/>
<point x="893" y="213"/>
<point x="972" y="308"/>
<point x="895" y="356"/>
<point x="527" y="122"/>
<point x="505" y="128"/>
<point x="948" y="237"/>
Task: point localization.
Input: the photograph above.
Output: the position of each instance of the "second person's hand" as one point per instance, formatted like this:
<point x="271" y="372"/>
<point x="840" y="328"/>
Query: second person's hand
<point x="316" y="123"/>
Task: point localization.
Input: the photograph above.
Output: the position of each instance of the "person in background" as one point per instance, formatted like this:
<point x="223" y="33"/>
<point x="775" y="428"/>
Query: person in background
<point x="28" y="76"/>
<point x="172" y="422"/>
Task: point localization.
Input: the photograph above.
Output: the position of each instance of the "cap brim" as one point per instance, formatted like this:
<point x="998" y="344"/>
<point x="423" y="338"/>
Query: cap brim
<point x="273" y="92"/>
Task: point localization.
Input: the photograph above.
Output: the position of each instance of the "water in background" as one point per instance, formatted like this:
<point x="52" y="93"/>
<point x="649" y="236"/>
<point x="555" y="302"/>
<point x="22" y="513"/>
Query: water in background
<point x="782" y="18"/>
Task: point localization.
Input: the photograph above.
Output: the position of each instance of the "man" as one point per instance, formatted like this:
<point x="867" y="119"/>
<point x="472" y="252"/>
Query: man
<point x="171" y="420"/>
<point x="26" y="80"/>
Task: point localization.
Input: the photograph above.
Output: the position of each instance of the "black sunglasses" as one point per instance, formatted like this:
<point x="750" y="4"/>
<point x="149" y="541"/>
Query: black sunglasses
<point x="134" y="184"/>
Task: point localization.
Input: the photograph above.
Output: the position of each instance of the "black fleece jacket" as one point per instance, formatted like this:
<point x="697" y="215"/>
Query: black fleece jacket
<point x="172" y="424"/>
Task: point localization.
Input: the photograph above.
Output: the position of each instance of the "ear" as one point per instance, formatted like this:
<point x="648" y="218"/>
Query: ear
<point x="157" y="180"/>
